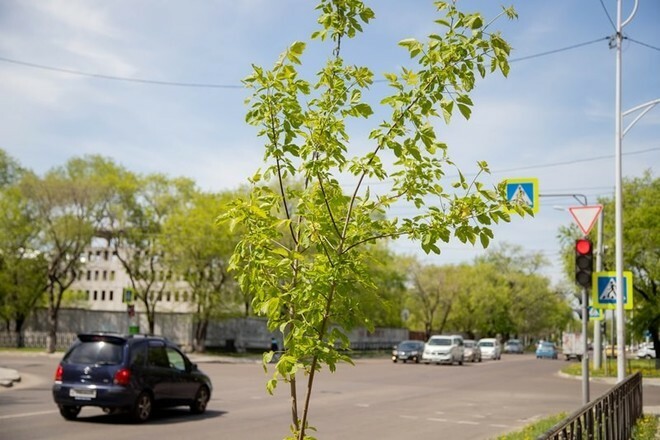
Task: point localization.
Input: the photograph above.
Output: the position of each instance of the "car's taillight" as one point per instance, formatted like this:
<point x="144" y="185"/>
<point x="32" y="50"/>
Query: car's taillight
<point x="58" y="373"/>
<point x="122" y="377"/>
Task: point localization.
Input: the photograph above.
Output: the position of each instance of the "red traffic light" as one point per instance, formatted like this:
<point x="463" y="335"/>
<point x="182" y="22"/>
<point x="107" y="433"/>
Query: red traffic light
<point x="583" y="246"/>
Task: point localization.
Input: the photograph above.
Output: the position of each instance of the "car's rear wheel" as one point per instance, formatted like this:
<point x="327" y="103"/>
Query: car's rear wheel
<point x="201" y="400"/>
<point x="143" y="407"/>
<point x="69" y="412"/>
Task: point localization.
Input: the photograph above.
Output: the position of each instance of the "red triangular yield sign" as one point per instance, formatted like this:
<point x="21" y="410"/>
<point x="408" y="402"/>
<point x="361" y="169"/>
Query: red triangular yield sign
<point x="585" y="216"/>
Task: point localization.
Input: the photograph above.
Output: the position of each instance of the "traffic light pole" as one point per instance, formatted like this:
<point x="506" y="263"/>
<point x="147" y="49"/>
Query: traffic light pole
<point x="585" y="346"/>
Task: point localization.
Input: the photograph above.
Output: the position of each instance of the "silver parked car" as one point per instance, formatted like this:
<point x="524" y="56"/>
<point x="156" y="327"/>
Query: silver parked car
<point x="444" y="349"/>
<point x="471" y="351"/>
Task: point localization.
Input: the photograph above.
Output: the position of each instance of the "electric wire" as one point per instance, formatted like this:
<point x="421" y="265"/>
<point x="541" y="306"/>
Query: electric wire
<point x="148" y="81"/>
<point x="644" y="44"/>
<point x="608" y="15"/>
<point x="120" y="78"/>
<point x="554" y="51"/>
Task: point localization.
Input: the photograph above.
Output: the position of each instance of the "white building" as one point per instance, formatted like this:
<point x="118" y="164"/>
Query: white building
<point x="102" y="281"/>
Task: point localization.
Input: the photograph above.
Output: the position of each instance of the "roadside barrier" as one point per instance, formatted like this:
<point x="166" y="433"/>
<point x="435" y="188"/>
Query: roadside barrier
<point x="610" y="417"/>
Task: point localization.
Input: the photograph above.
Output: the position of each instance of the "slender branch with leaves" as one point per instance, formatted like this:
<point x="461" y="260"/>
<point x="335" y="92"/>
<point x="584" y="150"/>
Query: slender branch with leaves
<point x="306" y="240"/>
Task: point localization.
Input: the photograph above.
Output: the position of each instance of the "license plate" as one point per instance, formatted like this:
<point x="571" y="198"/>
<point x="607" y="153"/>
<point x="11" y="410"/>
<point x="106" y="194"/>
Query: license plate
<point x="82" y="393"/>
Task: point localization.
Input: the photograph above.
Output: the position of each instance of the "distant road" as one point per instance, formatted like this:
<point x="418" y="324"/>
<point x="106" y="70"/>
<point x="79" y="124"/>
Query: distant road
<point x="376" y="399"/>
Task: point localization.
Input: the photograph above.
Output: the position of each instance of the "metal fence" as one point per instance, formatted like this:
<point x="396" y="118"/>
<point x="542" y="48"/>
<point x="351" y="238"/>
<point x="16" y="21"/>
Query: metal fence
<point x="610" y="417"/>
<point x="35" y="340"/>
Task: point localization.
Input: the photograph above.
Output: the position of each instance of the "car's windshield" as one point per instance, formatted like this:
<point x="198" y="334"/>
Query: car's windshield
<point x="469" y="344"/>
<point x="439" y="341"/>
<point x="547" y="345"/>
<point x="407" y="346"/>
<point x="485" y="344"/>
<point x="97" y="352"/>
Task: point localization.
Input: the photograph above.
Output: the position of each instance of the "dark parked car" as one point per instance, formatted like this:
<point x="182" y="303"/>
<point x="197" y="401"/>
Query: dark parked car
<point x="408" y="351"/>
<point x="131" y="374"/>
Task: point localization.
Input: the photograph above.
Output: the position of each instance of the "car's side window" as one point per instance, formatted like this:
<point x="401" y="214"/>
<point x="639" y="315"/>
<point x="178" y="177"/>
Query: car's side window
<point x="157" y="357"/>
<point x="176" y="359"/>
<point x="139" y="355"/>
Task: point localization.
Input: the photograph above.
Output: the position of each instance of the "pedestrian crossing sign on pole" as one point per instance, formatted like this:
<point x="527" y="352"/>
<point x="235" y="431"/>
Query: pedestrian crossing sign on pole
<point x="523" y="191"/>
<point x="604" y="290"/>
<point x="596" y="314"/>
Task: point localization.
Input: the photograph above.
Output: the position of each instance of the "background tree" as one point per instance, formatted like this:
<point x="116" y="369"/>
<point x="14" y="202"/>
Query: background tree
<point x="145" y="204"/>
<point x="307" y="290"/>
<point x="641" y="249"/>
<point x="200" y="250"/>
<point x="433" y="292"/>
<point x="22" y="267"/>
<point x="66" y="201"/>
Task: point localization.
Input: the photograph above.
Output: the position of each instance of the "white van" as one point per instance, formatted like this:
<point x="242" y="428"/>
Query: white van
<point x="443" y="349"/>
<point x="490" y="348"/>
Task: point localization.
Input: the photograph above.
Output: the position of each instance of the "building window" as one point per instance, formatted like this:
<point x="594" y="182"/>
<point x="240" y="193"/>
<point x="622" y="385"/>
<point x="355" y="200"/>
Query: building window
<point x="105" y="255"/>
<point x="98" y="255"/>
<point x="102" y="295"/>
<point x="111" y="293"/>
<point x="168" y="297"/>
<point x="105" y="275"/>
<point x="112" y="275"/>
<point x="89" y="275"/>
<point x="90" y="256"/>
<point x="96" y="275"/>
<point x="87" y="295"/>
<point x="185" y="296"/>
<point x="176" y="296"/>
<point x="96" y="296"/>
<point x="114" y="255"/>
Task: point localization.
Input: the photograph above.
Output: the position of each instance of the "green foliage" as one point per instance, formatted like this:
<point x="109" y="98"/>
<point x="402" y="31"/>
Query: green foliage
<point x="200" y="250"/>
<point x="646" y="428"/>
<point x="305" y="254"/>
<point x="535" y="429"/>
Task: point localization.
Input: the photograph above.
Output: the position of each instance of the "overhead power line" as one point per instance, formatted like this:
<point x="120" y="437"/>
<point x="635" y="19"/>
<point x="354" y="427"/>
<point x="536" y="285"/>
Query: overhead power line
<point x="563" y="49"/>
<point x="608" y="15"/>
<point x="228" y="86"/>
<point x="120" y="78"/>
<point x="644" y="44"/>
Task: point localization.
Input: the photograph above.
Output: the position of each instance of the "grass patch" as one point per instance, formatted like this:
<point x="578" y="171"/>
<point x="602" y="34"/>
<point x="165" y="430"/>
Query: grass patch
<point x="646" y="428"/>
<point x="646" y="366"/>
<point x="532" y="431"/>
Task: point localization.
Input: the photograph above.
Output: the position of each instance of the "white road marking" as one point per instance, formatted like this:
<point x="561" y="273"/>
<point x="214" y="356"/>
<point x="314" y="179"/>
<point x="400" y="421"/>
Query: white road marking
<point x="16" y="416"/>
<point x="408" y="417"/>
<point x="362" y="405"/>
<point x="495" y="425"/>
<point x="433" y="419"/>
<point x="465" y="422"/>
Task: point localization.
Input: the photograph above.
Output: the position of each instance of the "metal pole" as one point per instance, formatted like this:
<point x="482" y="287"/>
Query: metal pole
<point x="585" y="346"/>
<point x="598" y="346"/>
<point x="618" y="202"/>
<point x="618" y="209"/>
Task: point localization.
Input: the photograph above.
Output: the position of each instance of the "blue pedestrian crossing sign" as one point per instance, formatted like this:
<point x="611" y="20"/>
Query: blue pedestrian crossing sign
<point x="523" y="191"/>
<point x="604" y="290"/>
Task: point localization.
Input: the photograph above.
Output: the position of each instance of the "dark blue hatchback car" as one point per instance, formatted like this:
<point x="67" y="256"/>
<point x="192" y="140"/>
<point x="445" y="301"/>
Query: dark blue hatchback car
<point x="128" y="373"/>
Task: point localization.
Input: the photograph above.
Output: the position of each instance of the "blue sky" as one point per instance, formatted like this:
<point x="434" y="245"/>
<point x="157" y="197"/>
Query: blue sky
<point x="552" y="118"/>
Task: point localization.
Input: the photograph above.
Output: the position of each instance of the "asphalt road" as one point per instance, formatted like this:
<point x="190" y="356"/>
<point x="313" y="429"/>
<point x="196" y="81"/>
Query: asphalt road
<point x="374" y="399"/>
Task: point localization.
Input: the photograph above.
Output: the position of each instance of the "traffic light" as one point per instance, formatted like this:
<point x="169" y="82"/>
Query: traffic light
<point x="584" y="262"/>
